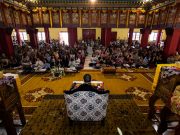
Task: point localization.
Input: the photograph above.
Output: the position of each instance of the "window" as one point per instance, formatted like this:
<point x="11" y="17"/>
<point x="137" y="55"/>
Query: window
<point x="63" y="36"/>
<point x="41" y="36"/>
<point x="153" y="36"/>
<point x="23" y="36"/>
<point x="136" y="36"/>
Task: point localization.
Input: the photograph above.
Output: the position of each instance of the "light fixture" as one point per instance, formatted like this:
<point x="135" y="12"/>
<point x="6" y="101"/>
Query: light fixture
<point x="92" y="1"/>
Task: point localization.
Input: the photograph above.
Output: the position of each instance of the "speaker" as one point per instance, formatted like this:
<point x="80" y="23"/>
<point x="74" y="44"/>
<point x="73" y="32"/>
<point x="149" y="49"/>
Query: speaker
<point x="169" y="31"/>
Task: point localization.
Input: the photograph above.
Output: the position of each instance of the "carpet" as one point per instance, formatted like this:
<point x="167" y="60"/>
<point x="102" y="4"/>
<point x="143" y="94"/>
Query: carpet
<point x="50" y="118"/>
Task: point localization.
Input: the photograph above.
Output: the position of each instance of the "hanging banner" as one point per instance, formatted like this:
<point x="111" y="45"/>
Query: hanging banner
<point x="24" y="20"/>
<point x="132" y="19"/>
<point x="75" y="18"/>
<point x="113" y="18"/>
<point x="85" y="18"/>
<point x="177" y="20"/>
<point x="156" y="19"/>
<point x="95" y="18"/>
<point x="66" y="16"/>
<point x="149" y="22"/>
<point x="36" y="20"/>
<point x="45" y="18"/>
<point x="8" y="16"/>
<point x="29" y="19"/>
<point x="122" y="18"/>
<point x="141" y="19"/>
<point x="17" y="18"/>
<point x="104" y="18"/>
<point x="55" y="18"/>
<point x="171" y="16"/>
<point x="163" y="15"/>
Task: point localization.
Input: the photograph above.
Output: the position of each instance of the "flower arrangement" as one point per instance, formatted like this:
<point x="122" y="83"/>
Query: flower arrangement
<point x="57" y="72"/>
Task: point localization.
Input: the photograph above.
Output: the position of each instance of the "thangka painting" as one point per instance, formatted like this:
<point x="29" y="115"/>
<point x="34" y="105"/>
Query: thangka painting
<point x="132" y="19"/>
<point x="75" y="18"/>
<point x="66" y="18"/>
<point x="149" y="19"/>
<point x="122" y="18"/>
<point x="94" y="17"/>
<point x="156" y="18"/>
<point x="163" y="17"/>
<point x="29" y="20"/>
<point x="178" y="17"/>
<point x="16" y="17"/>
<point x="85" y="18"/>
<point x="104" y="18"/>
<point x="172" y="13"/>
<point x="45" y="18"/>
<point x="24" y="22"/>
<point x="55" y="18"/>
<point x="36" y="18"/>
<point x="113" y="18"/>
<point x="8" y="15"/>
<point x="141" y="19"/>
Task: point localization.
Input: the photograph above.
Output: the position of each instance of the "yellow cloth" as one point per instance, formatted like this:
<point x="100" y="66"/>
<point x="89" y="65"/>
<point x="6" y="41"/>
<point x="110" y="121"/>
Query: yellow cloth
<point x="157" y="73"/>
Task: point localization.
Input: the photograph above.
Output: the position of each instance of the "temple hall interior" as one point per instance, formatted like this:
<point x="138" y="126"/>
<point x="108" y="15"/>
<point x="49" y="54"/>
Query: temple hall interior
<point x="89" y="67"/>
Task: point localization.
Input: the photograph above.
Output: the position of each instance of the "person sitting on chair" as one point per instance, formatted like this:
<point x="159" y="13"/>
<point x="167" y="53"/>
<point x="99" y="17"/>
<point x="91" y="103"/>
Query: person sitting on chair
<point x="86" y="85"/>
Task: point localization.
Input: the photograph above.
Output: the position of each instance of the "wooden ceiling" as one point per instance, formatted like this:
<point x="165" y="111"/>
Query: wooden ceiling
<point x="89" y="4"/>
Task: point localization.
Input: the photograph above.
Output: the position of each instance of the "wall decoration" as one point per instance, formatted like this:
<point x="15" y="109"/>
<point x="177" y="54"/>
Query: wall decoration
<point x="122" y="18"/>
<point x="66" y="18"/>
<point x="1" y="17"/>
<point x="45" y="16"/>
<point x="156" y="18"/>
<point x="36" y="20"/>
<point x="163" y="17"/>
<point x="94" y="17"/>
<point x="113" y="17"/>
<point x="172" y="13"/>
<point x="8" y="15"/>
<point x="132" y="19"/>
<point x="150" y="17"/>
<point x="141" y="19"/>
<point x="24" y="21"/>
<point x="75" y="17"/>
<point x="177" y="21"/>
<point x="29" y="20"/>
<point x="55" y="18"/>
<point x="85" y="18"/>
<point x="104" y="16"/>
<point x="16" y="17"/>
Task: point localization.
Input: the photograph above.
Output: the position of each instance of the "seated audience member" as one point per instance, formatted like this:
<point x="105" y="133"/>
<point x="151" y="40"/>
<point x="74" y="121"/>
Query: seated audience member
<point x="86" y="85"/>
<point x="4" y="61"/>
<point x="39" y="64"/>
<point x="72" y="64"/>
<point x="27" y="64"/>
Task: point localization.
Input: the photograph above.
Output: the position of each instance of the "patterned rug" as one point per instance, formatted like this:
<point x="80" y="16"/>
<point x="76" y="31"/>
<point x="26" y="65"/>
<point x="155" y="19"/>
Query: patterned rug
<point x="25" y="78"/>
<point x="123" y="113"/>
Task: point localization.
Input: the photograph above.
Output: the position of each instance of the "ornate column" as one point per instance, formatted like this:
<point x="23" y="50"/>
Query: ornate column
<point x="131" y="30"/>
<point x="6" y="44"/>
<point x="18" y="36"/>
<point x="172" y="42"/>
<point x="145" y="36"/>
<point x="158" y="36"/>
<point x="33" y="37"/>
<point x="46" y="30"/>
<point x="72" y="35"/>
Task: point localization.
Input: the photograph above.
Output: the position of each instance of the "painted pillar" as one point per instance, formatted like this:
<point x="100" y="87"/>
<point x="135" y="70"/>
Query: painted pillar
<point x="46" y="30"/>
<point x="72" y="35"/>
<point x="6" y="41"/>
<point x="131" y="30"/>
<point x="158" y="36"/>
<point x="145" y="36"/>
<point x="18" y="36"/>
<point x="33" y="37"/>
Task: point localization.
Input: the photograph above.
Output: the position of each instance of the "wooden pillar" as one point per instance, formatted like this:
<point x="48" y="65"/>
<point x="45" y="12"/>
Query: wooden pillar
<point x="131" y="30"/>
<point x="106" y="36"/>
<point x="6" y="41"/>
<point x="145" y="36"/>
<point x="46" y="30"/>
<point x="72" y="36"/>
<point x="18" y="36"/>
<point x="158" y="36"/>
<point x="33" y="37"/>
<point x="172" y="41"/>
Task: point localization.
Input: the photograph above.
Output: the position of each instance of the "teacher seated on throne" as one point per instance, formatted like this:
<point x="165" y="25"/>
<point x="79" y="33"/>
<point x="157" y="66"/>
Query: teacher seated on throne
<point x="86" y="85"/>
